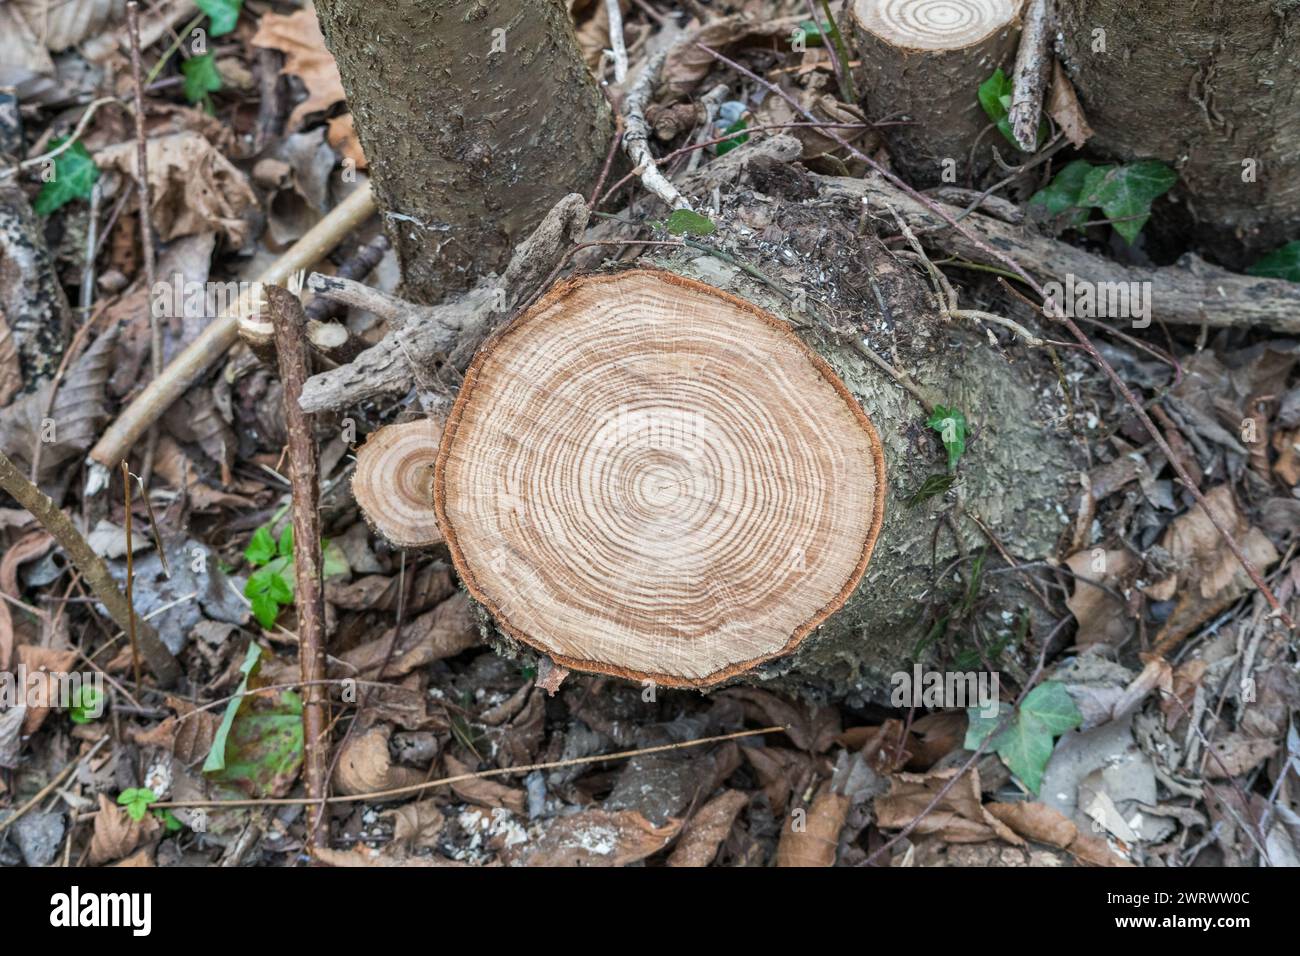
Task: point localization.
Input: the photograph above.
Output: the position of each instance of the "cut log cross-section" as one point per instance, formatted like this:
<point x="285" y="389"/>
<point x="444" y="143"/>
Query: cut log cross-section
<point x="393" y="482"/>
<point x="922" y="63"/>
<point x="647" y="477"/>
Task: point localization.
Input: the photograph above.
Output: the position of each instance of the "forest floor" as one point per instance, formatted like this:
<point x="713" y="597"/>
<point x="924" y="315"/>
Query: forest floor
<point x="1155" y="726"/>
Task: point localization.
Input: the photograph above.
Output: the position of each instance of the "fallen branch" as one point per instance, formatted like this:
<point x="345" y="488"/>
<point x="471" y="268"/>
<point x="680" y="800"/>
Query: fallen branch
<point x="1029" y="79"/>
<point x="421" y="336"/>
<point x="289" y="322"/>
<point x="92" y="568"/>
<point x="214" y="341"/>
<point x="636" y="141"/>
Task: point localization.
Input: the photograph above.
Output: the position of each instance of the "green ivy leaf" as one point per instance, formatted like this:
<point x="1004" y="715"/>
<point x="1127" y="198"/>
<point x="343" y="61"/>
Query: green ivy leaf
<point x="1125" y="193"/>
<point x="995" y="97"/>
<point x="201" y="77"/>
<point x="75" y="173"/>
<point x="136" y="800"/>
<point x="727" y="145"/>
<point x="1026" y="745"/>
<point x="1063" y="194"/>
<point x="222" y="13"/>
<point x="258" y="745"/>
<point x="950" y="423"/>
<point x="684" y="222"/>
<point x="261" y="548"/>
<point x="1281" y="263"/>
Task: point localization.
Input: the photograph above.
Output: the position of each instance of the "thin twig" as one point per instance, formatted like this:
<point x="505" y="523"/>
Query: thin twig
<point x="130" y="577"/>
<point x="480" y="775"/>
<point x="616" y="45"/>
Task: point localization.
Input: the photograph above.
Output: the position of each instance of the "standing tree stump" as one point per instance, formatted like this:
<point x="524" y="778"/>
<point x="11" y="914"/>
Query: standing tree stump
<point x="647" y="477"/>
<point x="922" y="63"/>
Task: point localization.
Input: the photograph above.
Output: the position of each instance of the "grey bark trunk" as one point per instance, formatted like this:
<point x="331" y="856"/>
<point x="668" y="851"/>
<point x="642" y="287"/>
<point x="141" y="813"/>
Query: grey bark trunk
<point x="476" y="117"/>
<point x="1211" y="89"/>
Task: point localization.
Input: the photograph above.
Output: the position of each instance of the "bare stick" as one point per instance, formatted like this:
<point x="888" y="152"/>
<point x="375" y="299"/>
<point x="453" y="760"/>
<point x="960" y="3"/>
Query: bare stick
<point x="92" y="568"/>
<point x="1030" y="76"/>
<point x="130" y="577"/>
<point x="616" y="44"/>
<point x="636" y="141"/>
<point x="291" y="350"/>
<point x="1055" y="310"/>
<point x="217" y="338"/>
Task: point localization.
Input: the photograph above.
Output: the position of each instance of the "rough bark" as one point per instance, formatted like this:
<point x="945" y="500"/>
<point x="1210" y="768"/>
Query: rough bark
<point x="31" y="298"/>
<point x="1205" y="87"/>
<point x="476" y="115"/>
<point x="934" y="91"/>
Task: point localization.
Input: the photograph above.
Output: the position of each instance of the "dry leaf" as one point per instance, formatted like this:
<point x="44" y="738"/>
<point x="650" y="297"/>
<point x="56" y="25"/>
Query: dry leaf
<point x="1237" y="754"/>
<point x="687" y="64"/>
<point x="298" y="37"/>
<point x="428" y="586"/>
<point x="959" y="817"/>
<point x="706" y="830"/>
<point x="811" y="837"/>
<point x="42" y="663"/>
<point x="1044" y="824"/>
<point x="596" y="838"/>
<point x="1102" y="617"/>
<point x="366" y="767"/>
<point x="343" y="137"/>
<point x="484" y="791"/>
<point x="362" y="855"/>
<point x="1064" y="107"/>
<point x="195" y="188"/>
<point x="116" y="834"/>
<point x="810" y="727"/>
<point x="138" y="858"/>
<point x="443" y="632"/>
<point x="416" y="824"/>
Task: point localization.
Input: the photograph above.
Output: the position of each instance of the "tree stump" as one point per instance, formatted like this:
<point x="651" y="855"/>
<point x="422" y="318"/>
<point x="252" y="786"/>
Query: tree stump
<point x="923" y="62"/>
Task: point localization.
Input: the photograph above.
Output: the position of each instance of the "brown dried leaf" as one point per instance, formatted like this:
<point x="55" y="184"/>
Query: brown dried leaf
<point x="362" y="855"/>
<point x="343" y="137"/>
<point x="416" y="824"/>
<point x="596" y="838"/>
<point x="959" y="817"/>
<point x="811" y="837"/>
<point x="809" y="727"/>
<point x="443" y="632"/>
<point x="1103" y="618"/>
<point x="1237" y="754"/>
<point x="42" y="664"/>
<point x="687" y="64"/>
<point x="299" y="38"/>
<point x="425" y="588"/>
<point x="484" y="791"/>
<point x="116" y="834"/>
<point x="195" y="188"/>
<point x="366" y="767"/>
<point x="705" y="832"/>
<point x="1044" y="824"/>
<point x="1064" y="107"/>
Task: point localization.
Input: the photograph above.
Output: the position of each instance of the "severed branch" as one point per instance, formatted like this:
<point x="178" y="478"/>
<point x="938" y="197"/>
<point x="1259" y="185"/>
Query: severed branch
<point x="1029" y="79"/>
<point x="217" y="338"/>
<point x="92" y="568"/>
<point x="421" y="336"/>
<point x="289" y="322"/>
<point x="636" y="140"/>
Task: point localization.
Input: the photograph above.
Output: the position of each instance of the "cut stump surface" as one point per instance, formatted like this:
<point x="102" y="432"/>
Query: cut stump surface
<point x="647" y="477"/>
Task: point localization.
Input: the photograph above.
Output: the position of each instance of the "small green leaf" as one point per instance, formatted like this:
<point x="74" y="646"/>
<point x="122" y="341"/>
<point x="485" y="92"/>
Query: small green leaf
<point x="261" y="548"/>
<point x="75" y="173"/>
<point x="216" y="759"/>
<point x="136" y="800"/>
<point x="812" y="32"/>
<point x="222" y="13"/>
<point x="1063" y="194"/>
<point x="1281" y="263"/>
<point x="280" y="591"/>
<point x="201" y="77"/>
<point x="995" y="97"/>
<point x="684" y="222"/>
<point x="1125" y="193"/>
<point x="950" y="423"/>
<point x="265" y="608"/>
<point x="169" y="820"/>
<point x="286" y="542"/>
<point x="1026" y="745"/>
<point x="932" y="487"/>
<point x="86" y="705"/>
<point x="727" y="145"/>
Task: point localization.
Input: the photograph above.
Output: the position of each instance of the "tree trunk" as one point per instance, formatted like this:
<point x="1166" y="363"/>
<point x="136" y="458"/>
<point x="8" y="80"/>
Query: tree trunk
<point x="495" y="478"/>
<point x="922" y="64"/>
<point x="1213" y="89"/>
<point x="476" y="116"/>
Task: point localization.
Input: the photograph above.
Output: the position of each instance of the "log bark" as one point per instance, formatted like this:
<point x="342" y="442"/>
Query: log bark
<point x="476" y="115"/>
<point x="922" y="63"/>
<point x="1205" y="87"/>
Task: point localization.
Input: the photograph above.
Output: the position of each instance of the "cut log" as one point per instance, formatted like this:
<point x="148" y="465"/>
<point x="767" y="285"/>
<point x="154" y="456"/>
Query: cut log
<point x="922" y="63"/>
<point x="393" y="482"/>
<point x="647" y="477"/>
<point x="1209" y="88"/>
